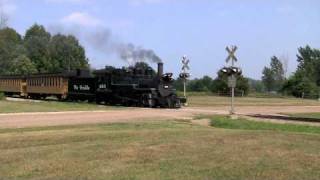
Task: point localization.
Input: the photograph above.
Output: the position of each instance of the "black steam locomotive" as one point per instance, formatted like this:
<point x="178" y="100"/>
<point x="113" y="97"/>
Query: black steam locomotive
<point x="131" y="86"/>
<point x="137" y="87"/>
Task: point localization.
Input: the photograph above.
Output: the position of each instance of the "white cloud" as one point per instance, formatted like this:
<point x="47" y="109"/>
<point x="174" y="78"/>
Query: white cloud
<point x="82" y="19"/>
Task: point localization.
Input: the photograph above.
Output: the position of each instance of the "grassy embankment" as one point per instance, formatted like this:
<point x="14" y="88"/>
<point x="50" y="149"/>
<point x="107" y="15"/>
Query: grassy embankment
<point x="306" y="115"/>
<point x="205" y="101"/>
<point x="195" y="100"/>
<point x="227" y="123"/>
<point x="162" y="150"/>
<point x="48" y="106"/>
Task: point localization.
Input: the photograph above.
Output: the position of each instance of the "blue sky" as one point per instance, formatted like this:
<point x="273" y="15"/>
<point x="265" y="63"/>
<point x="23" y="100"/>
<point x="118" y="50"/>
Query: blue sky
<point x="200" y="29"/>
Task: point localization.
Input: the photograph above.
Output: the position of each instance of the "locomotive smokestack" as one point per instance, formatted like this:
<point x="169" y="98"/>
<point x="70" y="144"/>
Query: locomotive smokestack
<point x="160" y="69"/>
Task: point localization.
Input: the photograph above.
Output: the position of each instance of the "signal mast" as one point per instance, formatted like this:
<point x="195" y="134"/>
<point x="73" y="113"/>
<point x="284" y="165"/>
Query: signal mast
<point x="232" y="72"/>
<point x="184" y="74"/>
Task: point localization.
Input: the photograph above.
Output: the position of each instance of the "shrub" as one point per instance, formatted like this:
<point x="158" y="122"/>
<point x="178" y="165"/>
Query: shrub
<point x="1" y="96"/>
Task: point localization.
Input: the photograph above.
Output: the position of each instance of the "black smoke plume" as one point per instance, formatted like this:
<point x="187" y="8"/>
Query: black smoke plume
<point x="104" y="41"/>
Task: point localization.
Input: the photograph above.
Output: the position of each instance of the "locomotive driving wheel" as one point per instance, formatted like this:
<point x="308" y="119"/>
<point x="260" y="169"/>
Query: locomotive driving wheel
<point x="148" y="101"/>
<point x="172" y="101"/>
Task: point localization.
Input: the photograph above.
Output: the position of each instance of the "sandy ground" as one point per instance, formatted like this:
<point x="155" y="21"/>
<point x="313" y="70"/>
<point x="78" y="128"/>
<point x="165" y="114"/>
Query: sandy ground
<point x="22" y="120"/>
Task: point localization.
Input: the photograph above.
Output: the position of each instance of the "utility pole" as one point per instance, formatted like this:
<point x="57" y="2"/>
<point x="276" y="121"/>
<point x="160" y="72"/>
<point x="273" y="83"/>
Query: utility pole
<point x="184" y="74"/>
<point x="232" y="73"/>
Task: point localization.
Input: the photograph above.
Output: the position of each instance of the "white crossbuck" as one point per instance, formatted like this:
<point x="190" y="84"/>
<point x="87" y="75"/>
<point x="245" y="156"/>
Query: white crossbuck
<point x="185" y="62"/>
<point x="232" y="52"/>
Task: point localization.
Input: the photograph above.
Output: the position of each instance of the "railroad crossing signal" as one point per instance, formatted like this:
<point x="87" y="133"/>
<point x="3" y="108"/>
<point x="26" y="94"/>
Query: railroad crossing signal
<point x="184" y="74"/>
<point x="232" y="50"/>
<point x="232" y="72"/>
<point x="185" y="64"/>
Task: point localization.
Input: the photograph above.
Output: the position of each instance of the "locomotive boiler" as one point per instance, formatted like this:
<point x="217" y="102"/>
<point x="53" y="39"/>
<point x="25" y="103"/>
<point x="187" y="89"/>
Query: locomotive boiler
<point x="136" y="86"/>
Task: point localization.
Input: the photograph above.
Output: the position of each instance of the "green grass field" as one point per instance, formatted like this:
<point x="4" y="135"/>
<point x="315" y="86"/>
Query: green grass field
<point x="194" y="101"/>
<point x="48" y="106"/>
<point x="306" y="115"/>
<point x="241" y="123"/>
<point x="205" y="101"/>
<point x="170" y="150"/>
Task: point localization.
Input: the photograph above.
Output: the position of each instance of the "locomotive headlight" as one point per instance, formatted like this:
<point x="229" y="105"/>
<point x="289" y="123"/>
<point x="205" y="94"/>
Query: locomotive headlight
<point x="166" y="87"/>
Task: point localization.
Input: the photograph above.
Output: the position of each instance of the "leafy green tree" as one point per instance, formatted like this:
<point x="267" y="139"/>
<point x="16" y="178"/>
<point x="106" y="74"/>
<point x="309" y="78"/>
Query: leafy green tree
<point x="309" y="63"/>
<point x="10" y="48"/>
<point x="145" y="66"/>
<point x="306" y="79"/>
<point x="66" y="53"/>
<point x="256" y="85"/>
<point x="273" y="77"/>
<point x="178" y="84"/>
<point x="268" y="79"/>
<point x="200" y="85"/>
<point x="23" y="66"/>
<point x="36" y="42"/>
<point x="220" y="84"/>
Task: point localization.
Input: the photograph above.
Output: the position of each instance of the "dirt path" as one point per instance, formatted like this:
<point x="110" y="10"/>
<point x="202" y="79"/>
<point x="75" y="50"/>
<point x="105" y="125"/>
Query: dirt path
<point x="22" y="120"/>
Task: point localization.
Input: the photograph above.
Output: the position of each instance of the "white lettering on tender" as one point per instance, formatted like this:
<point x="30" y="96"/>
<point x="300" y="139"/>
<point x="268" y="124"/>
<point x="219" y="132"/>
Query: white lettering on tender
<point x="81" y="87"/>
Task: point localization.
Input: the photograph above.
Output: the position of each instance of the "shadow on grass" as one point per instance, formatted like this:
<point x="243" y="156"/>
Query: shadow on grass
<point x="287" y="118"/>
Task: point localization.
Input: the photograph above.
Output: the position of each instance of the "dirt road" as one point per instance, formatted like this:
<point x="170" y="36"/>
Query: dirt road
<point x="22" y="120"/>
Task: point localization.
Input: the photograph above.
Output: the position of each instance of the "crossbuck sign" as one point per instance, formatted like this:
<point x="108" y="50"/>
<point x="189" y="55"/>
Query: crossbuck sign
<point x="185" y="64"/>
<point x="232" y="50"/>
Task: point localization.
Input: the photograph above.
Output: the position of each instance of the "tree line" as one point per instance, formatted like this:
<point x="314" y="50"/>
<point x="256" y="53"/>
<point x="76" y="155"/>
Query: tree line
<point x="39" y="52"/>
<point x="218" y="85"/>
<point x="305" y="81"/>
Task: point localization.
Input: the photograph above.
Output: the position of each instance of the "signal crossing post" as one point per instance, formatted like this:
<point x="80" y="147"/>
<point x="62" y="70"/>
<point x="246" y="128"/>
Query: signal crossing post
<point x="184" y="74"/>
<point x="232" y="72"/>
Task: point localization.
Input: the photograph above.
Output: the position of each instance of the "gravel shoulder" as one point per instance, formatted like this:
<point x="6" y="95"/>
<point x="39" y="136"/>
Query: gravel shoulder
<point x="22" y="120"/>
